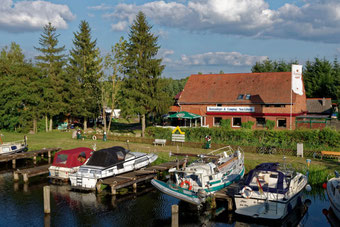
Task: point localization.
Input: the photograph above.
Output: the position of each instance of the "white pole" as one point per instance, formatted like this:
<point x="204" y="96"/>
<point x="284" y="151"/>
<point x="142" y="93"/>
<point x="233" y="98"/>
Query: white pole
<point x="291" y="108"/>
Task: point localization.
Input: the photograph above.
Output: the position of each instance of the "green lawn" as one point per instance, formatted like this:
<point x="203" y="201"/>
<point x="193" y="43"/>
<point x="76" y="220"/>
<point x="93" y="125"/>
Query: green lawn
<point x="319" y="169"/>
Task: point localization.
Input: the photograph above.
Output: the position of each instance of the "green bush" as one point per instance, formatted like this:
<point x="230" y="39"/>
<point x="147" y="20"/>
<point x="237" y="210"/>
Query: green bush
<point x="270" y="124"/>
<point x="226" y="123"/>
<point x="312" y="138"/>
<point x="247" y="125"/>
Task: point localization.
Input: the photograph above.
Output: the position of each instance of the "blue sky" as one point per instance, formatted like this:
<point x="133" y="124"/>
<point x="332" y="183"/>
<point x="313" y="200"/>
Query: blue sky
<point x="194" y="35"/>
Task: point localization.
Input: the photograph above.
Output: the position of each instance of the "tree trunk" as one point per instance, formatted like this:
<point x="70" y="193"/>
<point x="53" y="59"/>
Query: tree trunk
<point x="51" y="124"/>
<point x="143" y="124"/>
<point x="35" y="130"/>
<point x="85" y="124"/>
<point x="46" y="122"/>
<point x="104" y="119"/>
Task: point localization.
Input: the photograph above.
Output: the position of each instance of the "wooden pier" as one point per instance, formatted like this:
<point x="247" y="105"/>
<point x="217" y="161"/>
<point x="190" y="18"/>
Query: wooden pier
<point x="30" y="172"/>
<point x="28" y="154"/>
<point x="132" y="178"/>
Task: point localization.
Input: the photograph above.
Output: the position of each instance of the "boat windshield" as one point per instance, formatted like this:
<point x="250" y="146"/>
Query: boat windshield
<point x="61" y="159"/>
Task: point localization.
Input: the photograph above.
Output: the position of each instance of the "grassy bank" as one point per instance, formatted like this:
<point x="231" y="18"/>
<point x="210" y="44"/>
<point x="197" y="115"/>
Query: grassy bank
<point x="319" y="169"/>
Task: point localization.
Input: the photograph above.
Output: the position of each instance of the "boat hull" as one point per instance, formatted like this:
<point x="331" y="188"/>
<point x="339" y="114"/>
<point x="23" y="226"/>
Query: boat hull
<point x="333" y="193"/>
<point x="87" y="176"/>
<point x="256" y="207"/>
<point x="191" y="196"/>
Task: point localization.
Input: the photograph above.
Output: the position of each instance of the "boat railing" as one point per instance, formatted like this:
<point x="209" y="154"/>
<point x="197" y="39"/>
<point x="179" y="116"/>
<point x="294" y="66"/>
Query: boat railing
<point x="227" y="149"/>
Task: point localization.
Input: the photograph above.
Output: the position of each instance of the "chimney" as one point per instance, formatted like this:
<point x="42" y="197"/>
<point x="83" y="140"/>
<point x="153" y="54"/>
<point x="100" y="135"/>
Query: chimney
<point x="323" y="101"/>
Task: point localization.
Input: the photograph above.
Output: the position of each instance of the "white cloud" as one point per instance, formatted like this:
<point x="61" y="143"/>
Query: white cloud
<point x="100" y="7"/>
<point x="32" y="15"/>
<point x="164" y="54"/>
<point x="220" y="59"/>
<point x="314" y="20"/>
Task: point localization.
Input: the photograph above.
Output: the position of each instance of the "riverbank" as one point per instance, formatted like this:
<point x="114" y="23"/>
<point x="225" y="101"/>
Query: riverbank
<point x="319" y="169"/>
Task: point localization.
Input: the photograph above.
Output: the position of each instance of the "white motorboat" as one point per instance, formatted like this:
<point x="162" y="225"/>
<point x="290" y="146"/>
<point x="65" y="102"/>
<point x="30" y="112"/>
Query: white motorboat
<point x="202" y="178"/>
<point x="13" y="147"/>
<point x="66" y="162"/>
<point x="106" y="163"/>
<point x="270" y="192"/>
<point x="333" y="192"/>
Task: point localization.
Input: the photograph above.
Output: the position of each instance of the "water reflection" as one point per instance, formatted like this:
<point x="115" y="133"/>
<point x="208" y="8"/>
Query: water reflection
<point x="22" y="205"/>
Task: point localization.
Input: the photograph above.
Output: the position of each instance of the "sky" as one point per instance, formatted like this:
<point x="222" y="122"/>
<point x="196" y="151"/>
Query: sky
<point x="194" y="36"/>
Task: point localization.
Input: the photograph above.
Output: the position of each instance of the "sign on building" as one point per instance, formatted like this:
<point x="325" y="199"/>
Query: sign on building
<point x="230" y="109"/>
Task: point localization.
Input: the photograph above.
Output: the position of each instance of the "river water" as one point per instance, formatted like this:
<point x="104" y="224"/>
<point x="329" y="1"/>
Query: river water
<point x="22" y="205"/>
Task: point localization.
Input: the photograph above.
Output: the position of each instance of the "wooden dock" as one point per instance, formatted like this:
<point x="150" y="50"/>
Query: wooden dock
<point x="30" y="172"/>
<point x="28" y="154"/>
<point x="132" y="178"/>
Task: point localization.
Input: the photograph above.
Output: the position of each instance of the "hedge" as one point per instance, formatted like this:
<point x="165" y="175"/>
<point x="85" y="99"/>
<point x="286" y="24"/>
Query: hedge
<point x="312" y="138"/>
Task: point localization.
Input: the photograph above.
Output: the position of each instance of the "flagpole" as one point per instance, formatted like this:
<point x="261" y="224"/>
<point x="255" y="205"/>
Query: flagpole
<point x="291" y="100"/>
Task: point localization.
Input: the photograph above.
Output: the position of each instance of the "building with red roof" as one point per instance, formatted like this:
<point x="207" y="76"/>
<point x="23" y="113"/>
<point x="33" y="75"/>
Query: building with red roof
<point x="243" y="97"/>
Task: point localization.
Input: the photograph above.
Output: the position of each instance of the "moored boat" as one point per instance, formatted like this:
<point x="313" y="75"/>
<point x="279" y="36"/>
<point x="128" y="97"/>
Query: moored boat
<point x="202" y="178"/>
<point x="13" y="147"/>
<point x="270" y="192"/>
<point x="333" y="192"/>
<point x="106" y="163"/>
<point x="66" y="162"/>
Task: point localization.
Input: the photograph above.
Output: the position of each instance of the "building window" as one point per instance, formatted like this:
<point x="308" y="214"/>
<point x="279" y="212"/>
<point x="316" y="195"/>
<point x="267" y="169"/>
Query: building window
<point x="248" y="96"/>
<point x="279" y="105"/>
<point x="240" y="96"/>
<point x="237" y="122"/>
<point x="282" y="123"/>
<point x="267" y="105"/>
<point x="217" y="121"/>
<point x="218" y="104"/>
<point x="260" y="122"/>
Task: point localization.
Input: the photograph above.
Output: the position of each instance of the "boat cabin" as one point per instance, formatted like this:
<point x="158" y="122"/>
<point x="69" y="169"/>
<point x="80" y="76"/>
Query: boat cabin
<point x="109" y="157"/>
<point x="72" y="158"/>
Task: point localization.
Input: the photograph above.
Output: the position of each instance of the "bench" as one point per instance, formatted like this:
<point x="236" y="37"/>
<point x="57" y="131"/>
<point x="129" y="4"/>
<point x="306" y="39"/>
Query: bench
<point x="330" y="154"/>
<point x="160" y="142"/>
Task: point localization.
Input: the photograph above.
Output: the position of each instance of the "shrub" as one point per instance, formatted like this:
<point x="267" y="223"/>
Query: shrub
<point x="247" y="125"/>
<point x="226" y="123"/>
<point x="270" y="124"/>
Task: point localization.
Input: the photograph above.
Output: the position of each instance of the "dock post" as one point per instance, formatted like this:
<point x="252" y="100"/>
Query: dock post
<point x="99" y="187"/>
<point x="47" y="220"/>
<point x="25" y="187"/>
<point x="35" y="160"/>
<point x="113" y="190"/>
<point x="47" y="208"/>
<point x="49" y="156"/>
<point x="134" y="186"/>
<point x="25" y="176"/>
<point x="15" y="176"/>
<point x="13" y="163"/>
<point x="230" y="204"/>
<point x="174" y="216"/>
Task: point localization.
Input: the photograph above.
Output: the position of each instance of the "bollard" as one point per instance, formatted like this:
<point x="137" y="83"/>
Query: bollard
<point x="174" y="216"/>
<point x="35" y="160"/>
<point x="13" y="163"/>
<point x="113" y="190"/>
<point x="230" y="204"/>
<point x="47" y="208"/>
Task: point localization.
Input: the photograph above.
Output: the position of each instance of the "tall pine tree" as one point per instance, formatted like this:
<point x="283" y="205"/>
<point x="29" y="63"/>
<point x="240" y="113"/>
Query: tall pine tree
<point x="142" y="90"/>
<point x="85" y="64"/>
<point x="52" y="61"/>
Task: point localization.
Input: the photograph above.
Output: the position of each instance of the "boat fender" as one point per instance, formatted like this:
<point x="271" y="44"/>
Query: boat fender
<point x="246" y="192"/>
<point x="186" y="182"/>
<point x="94" y="137"/>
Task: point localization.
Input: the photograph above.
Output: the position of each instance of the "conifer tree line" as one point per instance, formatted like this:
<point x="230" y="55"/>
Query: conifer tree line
<point x="38" y="93"/>
<point x="321" y="77"/>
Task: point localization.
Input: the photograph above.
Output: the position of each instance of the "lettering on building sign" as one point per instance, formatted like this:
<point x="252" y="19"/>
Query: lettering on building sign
<point x="230" y="109"/>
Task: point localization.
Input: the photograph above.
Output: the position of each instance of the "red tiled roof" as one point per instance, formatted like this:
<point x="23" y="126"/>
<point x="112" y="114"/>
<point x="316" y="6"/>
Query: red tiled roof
<point x="273" y="87"/>
<point x="174" y="108"/>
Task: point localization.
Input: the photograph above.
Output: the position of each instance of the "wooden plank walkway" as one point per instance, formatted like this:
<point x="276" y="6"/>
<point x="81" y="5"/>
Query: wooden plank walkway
<point x="134" y="177"/>
<point x="30" y="172"/>
<point x="28" y="154"/>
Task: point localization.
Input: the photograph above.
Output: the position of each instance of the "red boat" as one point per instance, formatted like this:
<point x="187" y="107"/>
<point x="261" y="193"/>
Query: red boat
<point x="68" y="161"/>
